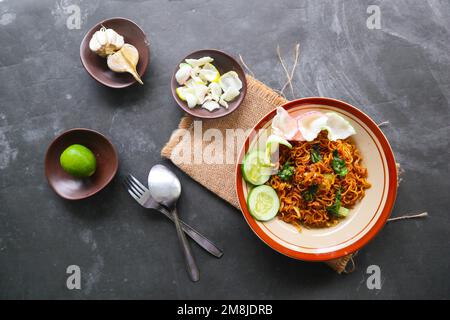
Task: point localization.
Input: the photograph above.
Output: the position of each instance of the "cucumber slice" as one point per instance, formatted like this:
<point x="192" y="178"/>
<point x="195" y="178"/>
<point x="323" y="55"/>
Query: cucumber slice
<point x="263" y="203"/>
<point x="254" y="168"/>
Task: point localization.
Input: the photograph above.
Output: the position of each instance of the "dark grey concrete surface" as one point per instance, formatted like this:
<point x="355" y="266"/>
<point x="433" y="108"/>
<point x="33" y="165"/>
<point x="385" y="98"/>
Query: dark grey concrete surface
<point x="400" y="74"/>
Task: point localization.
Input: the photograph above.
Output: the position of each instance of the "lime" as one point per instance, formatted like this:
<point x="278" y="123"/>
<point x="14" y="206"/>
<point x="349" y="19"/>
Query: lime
<point x="78" y="161"/>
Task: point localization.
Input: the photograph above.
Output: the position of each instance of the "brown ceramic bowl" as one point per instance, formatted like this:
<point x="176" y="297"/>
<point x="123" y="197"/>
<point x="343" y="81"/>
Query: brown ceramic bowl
<point x="224" y="63"/>
<point x="96" y="66"/>
<point x="73" y="188"/>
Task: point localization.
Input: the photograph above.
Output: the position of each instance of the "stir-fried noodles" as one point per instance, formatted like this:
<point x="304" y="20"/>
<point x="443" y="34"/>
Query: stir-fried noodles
<point x="319" y="180"/>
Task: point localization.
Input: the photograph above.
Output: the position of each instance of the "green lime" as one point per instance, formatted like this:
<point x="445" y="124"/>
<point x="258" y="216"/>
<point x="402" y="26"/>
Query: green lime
<point x="78" y="160"/>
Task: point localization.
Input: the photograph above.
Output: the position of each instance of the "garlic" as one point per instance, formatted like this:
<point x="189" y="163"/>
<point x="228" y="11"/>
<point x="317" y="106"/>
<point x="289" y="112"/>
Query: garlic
<point x="210" y="105"/>
<point x="125" y="60"/>
<point x="183" y="73"/>
<point x="105" y="42"/>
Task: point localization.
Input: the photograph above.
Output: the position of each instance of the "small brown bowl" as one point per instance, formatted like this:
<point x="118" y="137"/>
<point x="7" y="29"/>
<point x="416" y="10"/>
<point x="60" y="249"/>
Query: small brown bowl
<point x="224" y="63"/>
<point x="96" y="66"/>
<point x="73" y="188"/>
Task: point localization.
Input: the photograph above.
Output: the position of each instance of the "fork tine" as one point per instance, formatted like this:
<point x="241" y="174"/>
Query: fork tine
<point x="135" y="197"/>
<point x="140" y="185"/>
<point x="132" y="187"/>
<point x="127" y="186"/>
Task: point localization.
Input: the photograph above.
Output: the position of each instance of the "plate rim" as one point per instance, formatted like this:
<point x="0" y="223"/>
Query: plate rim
<point x="391" y="192"/>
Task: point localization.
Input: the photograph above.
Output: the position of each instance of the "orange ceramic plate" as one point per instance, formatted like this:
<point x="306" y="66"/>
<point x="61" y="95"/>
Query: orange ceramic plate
<point x="364" y="221"/>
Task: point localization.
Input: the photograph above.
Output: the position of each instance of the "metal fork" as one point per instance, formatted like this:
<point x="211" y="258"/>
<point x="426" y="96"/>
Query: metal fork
<point x="141" y="194"/>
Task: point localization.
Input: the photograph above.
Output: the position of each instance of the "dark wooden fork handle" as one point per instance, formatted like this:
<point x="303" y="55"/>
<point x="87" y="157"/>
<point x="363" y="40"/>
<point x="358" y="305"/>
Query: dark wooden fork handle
<point x="191" y="265"/>
<point x="200" y="239"/>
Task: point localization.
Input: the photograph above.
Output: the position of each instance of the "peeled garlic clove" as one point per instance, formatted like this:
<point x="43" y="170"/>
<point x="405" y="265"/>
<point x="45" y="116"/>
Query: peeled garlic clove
<point x="230" y="94"/>
<point x="200" y="91"/>
<point x="215" y="91"/>
<point x="230" y="80"/>
<point x="105" y="42"/>
<point x="191" y="99"/>
<point x="199" y="62"/>
<point x="196" y="78"/>
<point x="196" y="70"/>
<point x="210" y="105"/>
<point x="125" y="60"/>
<point x="207" y="98"/>
<point x="223" y="103"/>
<point x="195" y="75"/>
<point x="183" y="73"/>
<point x="191" y="83"/>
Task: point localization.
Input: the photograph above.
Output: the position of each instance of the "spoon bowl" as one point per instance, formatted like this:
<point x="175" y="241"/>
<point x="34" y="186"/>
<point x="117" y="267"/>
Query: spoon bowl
<point x="164" y="186"/>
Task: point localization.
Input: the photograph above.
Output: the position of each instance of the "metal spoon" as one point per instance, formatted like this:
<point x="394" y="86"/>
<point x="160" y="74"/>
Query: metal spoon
<point x="142" y="195"/>
<point x="165" y="188"/>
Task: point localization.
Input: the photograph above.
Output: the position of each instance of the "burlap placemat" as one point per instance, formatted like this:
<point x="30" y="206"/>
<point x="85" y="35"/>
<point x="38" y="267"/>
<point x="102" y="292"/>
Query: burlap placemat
<point x="219" y="178"/>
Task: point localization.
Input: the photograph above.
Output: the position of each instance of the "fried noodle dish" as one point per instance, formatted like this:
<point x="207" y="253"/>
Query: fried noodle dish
<point x="319" y="181"/>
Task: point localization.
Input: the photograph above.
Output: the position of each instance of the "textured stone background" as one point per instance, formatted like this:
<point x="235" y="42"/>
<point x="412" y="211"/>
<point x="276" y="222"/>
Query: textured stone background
<point x="399" y="73"/>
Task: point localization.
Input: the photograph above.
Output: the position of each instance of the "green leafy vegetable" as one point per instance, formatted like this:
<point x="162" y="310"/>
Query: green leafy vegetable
<point x="286" y="172"/>
<point x="334" y="208"/>
<point x="310" y="193"/>
<point x="315" y="153"/>
<point x="338" y="164"/>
